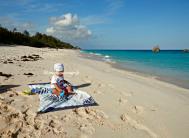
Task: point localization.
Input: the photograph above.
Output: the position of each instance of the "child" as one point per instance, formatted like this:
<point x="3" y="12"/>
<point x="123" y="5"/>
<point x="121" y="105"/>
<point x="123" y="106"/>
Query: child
<point x="59" y="86"/>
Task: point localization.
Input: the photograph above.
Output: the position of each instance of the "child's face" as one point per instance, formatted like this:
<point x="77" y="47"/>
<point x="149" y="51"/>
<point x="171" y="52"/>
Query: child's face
<point x="60" y="73"/>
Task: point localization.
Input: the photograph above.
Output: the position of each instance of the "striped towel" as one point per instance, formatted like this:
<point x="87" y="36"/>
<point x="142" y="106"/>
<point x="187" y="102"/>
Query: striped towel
<point x="50" y="102"/>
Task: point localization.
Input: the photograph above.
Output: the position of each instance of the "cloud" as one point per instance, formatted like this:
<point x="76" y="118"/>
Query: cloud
<point x="113" y="6"/>
<point x="66" y="20"/>
<point x="68" y="27"/>
<point x="50" y="30"/>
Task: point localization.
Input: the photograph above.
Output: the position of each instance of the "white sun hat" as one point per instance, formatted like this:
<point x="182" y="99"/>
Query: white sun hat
<point x="58" y="67"/>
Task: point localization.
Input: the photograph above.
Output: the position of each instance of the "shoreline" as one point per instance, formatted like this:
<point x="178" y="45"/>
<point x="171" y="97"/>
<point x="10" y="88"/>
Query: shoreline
<point x="117" y="65"/>
<point x="129" y="104"/>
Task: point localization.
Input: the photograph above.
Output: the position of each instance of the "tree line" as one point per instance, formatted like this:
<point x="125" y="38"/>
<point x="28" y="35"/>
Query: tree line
<point x="38" y="40"/>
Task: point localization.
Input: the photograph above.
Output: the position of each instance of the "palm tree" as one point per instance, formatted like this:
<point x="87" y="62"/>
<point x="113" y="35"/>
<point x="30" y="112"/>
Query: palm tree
<point x="14" y="30"/>
<point x="26" y="33"/>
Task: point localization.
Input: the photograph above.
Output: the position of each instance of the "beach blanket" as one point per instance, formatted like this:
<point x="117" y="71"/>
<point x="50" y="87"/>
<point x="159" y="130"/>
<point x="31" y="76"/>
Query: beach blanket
<point x="50" y="102"/>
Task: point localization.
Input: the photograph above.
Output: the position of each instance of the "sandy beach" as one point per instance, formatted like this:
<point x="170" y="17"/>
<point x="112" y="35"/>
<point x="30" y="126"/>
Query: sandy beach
<point x="129" y="104"/>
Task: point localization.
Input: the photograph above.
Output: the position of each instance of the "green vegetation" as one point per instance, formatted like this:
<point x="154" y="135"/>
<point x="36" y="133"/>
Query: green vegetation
<point x="38" y="40"/>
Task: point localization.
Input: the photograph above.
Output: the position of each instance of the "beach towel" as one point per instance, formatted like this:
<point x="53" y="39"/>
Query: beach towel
<point x="50" y="102"/>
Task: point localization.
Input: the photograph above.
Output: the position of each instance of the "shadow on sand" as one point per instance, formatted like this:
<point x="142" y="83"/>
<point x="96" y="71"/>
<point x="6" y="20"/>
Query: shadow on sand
<point x="75" y="86"/>
<point x="82" y="85"/>
<point x="5" y="88"/>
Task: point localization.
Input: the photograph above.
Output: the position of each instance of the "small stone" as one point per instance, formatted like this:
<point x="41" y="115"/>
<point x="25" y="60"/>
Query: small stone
<point x="11" y="95"/>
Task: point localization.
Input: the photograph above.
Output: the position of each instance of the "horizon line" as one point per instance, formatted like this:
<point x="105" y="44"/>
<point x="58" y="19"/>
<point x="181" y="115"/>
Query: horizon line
<point x="136" y="49"/>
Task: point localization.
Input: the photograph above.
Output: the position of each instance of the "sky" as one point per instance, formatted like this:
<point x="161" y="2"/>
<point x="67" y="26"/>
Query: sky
<point x="103" y="24"/>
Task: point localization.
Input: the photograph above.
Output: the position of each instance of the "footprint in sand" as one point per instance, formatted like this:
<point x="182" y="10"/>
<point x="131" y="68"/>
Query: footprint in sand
<point x="29" y="117"/>
<point x="137" y="109"/>
<point x="87" y="129"/>
<point x="111" y="86"/>
<point x="87" y="79"/>
<point x="128" y="94"/>
<point x="26" y="124"/>
<point x="65" y="118"/>
<point x="153" y="108"/>
<point x="122" y="100"/>
<point x="100" y="85"/>
<point x="136" y="125"/>
<point x="12" y="120"/>
<point x="89" y="113"/>
<point x="15" y="93"/>
<point x="54" y="123"/>
<point x="83" y="136"/>
<point x="2" y="98"/>
<point x="56" y="127"/>
<point x="97" y="92"/>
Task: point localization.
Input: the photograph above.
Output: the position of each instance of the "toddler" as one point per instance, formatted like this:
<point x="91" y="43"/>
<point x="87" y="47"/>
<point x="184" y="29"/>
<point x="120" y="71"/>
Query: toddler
<point x="60" y="87"/>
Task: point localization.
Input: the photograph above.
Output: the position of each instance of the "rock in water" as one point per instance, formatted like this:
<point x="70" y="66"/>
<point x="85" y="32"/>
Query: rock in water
<point x="156" y="49"/>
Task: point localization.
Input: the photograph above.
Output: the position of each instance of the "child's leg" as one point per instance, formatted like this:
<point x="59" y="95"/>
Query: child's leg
<point x="69" y="89"/>
<point x="55" y="91"/>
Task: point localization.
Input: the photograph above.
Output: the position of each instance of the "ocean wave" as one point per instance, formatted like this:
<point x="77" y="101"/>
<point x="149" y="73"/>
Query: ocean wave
<point x="97" y="54"/>
<point x="108" y="59"/>
<point x="106" y="56"/>
<point x="91" y="53"/>
<point x="103" y="57"/>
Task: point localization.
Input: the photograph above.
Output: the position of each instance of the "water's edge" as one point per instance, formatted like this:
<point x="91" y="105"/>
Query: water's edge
<point x="118" y="65"/>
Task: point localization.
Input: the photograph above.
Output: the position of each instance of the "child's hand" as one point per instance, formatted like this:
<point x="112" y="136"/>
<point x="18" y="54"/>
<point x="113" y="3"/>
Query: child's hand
<point x="69" y="89"/>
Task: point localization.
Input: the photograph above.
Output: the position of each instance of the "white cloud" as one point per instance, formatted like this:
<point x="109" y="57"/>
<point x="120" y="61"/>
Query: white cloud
<point x="50" y="30"/>
<point x="67" y="20"/>
<point x="68" y="27"/>
<point x="82" y="32"/>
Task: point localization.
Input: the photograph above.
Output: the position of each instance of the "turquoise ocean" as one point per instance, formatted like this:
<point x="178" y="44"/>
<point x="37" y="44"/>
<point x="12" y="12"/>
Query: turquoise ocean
<point x="167" y="65"/>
